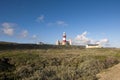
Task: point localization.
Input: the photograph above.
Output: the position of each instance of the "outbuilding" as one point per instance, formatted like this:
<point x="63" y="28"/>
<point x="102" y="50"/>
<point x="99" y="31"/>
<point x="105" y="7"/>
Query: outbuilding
<point x="93" y="46"/>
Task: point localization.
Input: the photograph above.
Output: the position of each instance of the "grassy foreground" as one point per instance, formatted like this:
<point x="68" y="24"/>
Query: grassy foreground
<point x="56" y="64"/>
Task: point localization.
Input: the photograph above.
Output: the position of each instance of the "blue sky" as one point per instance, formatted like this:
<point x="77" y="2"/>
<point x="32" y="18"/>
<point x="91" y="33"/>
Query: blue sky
<point x="84" y="21"/>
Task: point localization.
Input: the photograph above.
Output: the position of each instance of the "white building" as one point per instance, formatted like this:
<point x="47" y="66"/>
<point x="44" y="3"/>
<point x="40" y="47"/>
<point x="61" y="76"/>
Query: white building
<point x="93" y="46"/>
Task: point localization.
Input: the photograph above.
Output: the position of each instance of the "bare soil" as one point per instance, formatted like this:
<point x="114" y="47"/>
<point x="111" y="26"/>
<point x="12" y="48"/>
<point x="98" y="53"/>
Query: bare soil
<point x="112" y="73"/>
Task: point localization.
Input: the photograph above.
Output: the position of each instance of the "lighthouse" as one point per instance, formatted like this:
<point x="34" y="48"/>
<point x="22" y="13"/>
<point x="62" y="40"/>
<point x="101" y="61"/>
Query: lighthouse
<point x="64" y="39"/>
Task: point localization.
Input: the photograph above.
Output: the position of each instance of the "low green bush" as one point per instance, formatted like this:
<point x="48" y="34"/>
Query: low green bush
<point x="57" y="64"/>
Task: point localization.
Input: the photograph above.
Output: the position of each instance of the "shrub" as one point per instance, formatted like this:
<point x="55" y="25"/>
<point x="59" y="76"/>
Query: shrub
<point x="56" y="64"/>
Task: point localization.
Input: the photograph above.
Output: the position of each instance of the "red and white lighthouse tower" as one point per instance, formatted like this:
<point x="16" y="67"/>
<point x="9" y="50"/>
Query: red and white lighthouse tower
<point x="64" y="39"/>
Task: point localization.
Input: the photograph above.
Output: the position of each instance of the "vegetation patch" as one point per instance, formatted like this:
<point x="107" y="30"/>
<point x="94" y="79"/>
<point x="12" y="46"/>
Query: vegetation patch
<point x="56" y="64"/>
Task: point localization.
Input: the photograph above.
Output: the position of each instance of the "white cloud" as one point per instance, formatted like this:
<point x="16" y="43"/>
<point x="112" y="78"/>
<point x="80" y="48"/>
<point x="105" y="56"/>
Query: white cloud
<point x="102" y="41"/>
<point x="24" y="34"/>
<point x="40" y="18"/>
<point x="58" y="23"/>
<point x="50" y="24"/>
<point x="34" y="37"/>
<point x="11" y="29"/>
<point x="82" y="39"/>
<point x="61" y="23"/>
<point x="8" y="29"/>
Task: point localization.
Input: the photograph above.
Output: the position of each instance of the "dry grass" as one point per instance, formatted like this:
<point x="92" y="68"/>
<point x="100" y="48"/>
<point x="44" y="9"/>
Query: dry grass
<point x="112" y="73"/>
<point x="58" y="64"/>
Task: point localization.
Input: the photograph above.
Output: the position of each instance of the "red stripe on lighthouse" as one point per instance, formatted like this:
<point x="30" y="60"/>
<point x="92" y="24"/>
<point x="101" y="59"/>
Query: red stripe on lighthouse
<point x="64" y="37"/>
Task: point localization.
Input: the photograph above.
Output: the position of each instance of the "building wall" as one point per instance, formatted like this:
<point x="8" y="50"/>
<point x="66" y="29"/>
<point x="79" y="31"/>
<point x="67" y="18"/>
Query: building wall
<point x="63" y="43"/>
<point x="98" y="46"/>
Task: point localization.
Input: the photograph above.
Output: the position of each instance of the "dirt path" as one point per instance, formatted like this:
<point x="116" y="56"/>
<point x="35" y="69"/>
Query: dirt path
<point x="112" y="73"/>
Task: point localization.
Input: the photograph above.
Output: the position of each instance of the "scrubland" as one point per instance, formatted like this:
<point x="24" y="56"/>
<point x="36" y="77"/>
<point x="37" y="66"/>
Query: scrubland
<point x="56" y="64"/>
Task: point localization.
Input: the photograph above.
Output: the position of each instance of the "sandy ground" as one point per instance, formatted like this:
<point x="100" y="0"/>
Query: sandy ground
<point x="112" y="73"/>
